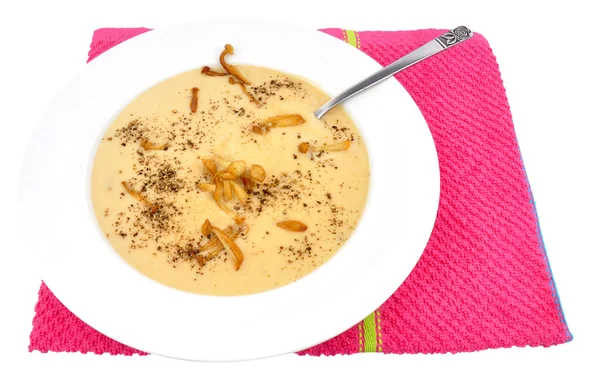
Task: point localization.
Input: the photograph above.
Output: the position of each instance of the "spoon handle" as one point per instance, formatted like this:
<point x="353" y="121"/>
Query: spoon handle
<point x="441" y="43"/>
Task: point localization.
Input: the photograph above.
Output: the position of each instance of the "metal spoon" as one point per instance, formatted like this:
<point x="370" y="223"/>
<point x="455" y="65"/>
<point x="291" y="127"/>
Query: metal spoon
<point x="447" y="40"/>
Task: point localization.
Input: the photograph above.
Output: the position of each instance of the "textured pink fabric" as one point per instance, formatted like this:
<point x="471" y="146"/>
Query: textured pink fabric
<point x="484" y="280"/>
<point x="56" y="329"/>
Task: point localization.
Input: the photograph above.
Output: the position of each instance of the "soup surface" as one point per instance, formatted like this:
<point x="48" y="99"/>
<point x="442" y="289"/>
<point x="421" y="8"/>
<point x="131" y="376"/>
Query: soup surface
<point x="162" y="170"/>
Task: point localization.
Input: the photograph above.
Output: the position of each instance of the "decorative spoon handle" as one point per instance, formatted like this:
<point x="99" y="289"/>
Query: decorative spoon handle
<point x="441" y="43"/>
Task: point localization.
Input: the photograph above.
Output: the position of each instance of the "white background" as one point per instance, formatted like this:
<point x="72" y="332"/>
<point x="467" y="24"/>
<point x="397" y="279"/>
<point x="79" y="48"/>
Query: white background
<point x="550" y="70"/>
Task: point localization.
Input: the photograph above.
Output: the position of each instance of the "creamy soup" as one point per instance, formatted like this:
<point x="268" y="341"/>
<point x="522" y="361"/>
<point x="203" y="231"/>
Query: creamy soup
<point x="281" y="190"/>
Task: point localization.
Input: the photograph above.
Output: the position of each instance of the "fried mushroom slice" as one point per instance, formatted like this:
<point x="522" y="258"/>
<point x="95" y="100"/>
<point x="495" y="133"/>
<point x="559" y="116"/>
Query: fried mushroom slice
<point x="211" y="166"/>
<point x="280" y="121"/>
<point x="139" y="197"/>
<point x="230" y="246"/>
<point x="237" y="168"/>
<point x="253" y="99"/>
<point x="148" y="146"/>
<point x="343" y="146"/>
<point x="212" y="73"/>
<point x="194" y="101"/>
<point x="306" y="147"/>
<point x="239" y="192"/>
<point x="292" y="226"/>
<point x="231" y="69"/>
<point x="207" y="187"/>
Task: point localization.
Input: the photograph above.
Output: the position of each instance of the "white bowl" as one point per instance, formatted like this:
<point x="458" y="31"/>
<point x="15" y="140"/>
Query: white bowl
<point x="89" y="278"/>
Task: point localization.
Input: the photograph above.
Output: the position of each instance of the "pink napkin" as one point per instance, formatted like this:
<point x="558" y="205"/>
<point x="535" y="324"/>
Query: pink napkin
<point x="483" y="281"/>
